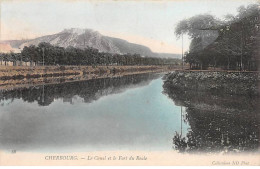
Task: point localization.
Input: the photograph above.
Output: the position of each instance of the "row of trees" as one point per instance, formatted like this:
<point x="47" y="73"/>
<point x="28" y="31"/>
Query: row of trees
<point x="47" y="54"/>
<point x="10" y="56"/>
<point x="229" y="44"/>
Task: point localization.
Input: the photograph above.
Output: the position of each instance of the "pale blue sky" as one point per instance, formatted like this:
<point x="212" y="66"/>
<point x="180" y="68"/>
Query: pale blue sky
<point x="149" y="23"/>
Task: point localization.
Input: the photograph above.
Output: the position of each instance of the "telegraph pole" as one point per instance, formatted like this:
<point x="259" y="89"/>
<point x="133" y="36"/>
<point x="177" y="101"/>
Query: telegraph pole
<point x="43" y="99"/>
<point x="21" y="59"/>
<point x="241" y="56"/>
<point x="182" y="49"/>
<point x="181" y="121"/>
<point x="43" y="56"/>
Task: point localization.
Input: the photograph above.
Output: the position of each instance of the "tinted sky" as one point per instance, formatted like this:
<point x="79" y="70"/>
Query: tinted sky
<point x="150" y="23"/>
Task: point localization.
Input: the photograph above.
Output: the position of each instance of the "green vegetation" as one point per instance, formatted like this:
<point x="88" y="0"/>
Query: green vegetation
<point x="230" y="44"/>
<point x="47" y="54"/>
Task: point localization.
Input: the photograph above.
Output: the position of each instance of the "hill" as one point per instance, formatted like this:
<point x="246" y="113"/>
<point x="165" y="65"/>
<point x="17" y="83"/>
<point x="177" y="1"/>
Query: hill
<point x="83" y="38"/>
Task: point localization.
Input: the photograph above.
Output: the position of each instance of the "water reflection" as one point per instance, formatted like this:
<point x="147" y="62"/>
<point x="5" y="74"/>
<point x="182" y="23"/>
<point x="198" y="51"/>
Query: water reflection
<point x="89" y="90"/>
<point x="122" y="113"/>
<point x="218" y="122"/>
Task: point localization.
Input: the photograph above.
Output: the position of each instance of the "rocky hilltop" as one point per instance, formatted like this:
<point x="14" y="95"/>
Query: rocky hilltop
<point x="83" y="38"/>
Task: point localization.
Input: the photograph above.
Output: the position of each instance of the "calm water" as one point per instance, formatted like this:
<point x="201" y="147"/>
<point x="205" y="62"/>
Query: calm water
<point x="135" y="112"/>
<point x="123" y="113"/>
<point x="218" y="122"/>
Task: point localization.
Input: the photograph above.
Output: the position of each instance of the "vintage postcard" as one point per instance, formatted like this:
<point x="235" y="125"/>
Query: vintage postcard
<point x="129" y="82"/>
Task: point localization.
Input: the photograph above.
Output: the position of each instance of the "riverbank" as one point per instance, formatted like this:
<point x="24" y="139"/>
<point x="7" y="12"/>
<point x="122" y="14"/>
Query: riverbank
<point x="21" y="76"/>
<point x="231" y="82"/>
<point x="221" y="108"/>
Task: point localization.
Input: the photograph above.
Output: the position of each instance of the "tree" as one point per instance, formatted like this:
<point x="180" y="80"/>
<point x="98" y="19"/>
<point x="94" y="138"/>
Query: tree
<point x="194" y="27"/>
<point x="230" y="43"/>
<point x="53" y="55"/>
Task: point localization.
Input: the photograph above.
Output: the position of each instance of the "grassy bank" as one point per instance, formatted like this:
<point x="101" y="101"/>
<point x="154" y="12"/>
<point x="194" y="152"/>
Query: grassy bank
<point x="20" y="76"/>
<point x="231" y="82"/>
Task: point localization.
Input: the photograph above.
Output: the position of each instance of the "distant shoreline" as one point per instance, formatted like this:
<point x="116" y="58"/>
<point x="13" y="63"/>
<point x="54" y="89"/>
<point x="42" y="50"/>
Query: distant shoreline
<point x="22" y="76"/>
